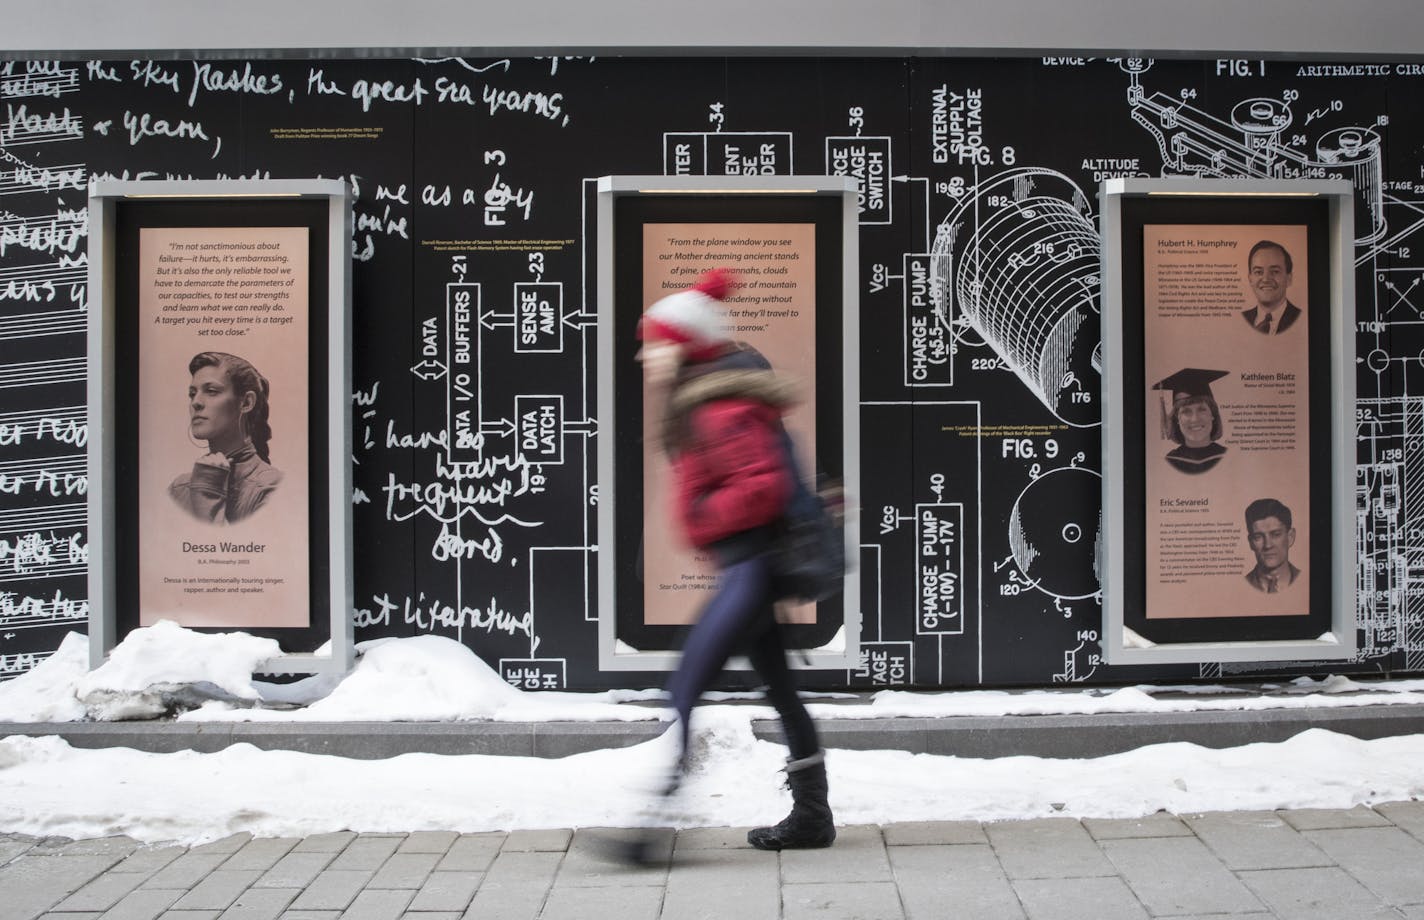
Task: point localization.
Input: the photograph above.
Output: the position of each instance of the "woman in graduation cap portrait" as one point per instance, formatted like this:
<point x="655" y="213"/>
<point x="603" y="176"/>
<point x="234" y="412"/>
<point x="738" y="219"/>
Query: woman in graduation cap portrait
<point x="1194" y="420"/>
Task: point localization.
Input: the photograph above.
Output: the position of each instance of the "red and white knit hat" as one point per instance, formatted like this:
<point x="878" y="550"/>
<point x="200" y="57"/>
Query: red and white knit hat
<point x="694" y="316"/>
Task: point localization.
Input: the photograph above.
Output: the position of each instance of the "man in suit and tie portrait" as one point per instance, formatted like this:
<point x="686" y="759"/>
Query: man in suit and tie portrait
<point x="1271" y="534"/>
<point x="1269" y="270"/>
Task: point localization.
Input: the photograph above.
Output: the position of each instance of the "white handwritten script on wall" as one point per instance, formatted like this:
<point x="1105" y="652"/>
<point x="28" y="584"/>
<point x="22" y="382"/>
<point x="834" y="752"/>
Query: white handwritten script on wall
<point x="44" y="547"/>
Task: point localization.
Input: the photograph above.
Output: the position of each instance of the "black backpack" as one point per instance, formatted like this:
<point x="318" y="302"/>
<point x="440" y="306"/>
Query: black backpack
<point x="808" y="553"/>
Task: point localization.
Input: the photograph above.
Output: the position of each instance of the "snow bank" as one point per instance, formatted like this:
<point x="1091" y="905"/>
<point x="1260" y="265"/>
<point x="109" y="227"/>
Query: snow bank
<point x="435" y="679"/>
<point x="47" y="787"/>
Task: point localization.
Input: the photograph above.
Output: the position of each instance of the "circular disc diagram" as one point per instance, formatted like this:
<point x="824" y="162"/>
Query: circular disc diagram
<point x="1055" y="537"/>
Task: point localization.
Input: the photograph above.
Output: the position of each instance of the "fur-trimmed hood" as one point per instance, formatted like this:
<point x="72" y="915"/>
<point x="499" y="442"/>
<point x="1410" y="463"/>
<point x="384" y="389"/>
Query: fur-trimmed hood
<point x="737" y="383"/>
<point x="760" y="385"/>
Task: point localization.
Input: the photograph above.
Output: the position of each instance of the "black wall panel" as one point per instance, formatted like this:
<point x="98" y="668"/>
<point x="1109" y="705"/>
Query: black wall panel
<point x="474" y="187"/>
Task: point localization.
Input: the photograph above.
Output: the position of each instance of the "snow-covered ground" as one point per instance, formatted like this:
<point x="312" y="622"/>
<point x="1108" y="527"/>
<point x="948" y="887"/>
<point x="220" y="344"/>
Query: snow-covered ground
<point x="48" y="787"/>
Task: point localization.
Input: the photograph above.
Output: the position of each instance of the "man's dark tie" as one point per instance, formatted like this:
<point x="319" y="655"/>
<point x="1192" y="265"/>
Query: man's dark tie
<point x="1265" y="325"/>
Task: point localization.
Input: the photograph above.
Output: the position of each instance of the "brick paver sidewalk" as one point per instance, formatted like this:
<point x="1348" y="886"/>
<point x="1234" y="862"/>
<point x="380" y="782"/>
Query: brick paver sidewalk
<point x="1356" y="864"/>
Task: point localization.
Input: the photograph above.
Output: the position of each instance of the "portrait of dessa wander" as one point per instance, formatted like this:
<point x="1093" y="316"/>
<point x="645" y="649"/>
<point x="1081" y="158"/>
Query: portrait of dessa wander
<point x="229" y="405"/>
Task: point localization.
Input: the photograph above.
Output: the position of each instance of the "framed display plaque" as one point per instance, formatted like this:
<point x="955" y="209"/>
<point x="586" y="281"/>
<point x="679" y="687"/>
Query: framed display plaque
<point x="791" y="242"/>
<point x="1228" y="422"/>
<point x="219" y="384"/>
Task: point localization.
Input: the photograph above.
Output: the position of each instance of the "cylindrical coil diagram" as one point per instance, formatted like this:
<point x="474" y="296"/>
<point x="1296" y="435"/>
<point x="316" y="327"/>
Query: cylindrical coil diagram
<point x="1018" y="258"/>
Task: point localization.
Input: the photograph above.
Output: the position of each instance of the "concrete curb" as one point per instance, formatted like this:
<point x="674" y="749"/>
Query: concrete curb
<point x="1107" y="733"/>
<point x="964" y="736"/>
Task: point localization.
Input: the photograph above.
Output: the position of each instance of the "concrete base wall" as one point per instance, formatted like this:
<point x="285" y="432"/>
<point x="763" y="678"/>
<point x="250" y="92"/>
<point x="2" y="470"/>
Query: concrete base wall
<point x="984" y="737"/>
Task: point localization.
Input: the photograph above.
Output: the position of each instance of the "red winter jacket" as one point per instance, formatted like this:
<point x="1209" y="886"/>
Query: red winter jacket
<point x="724" y="436"/>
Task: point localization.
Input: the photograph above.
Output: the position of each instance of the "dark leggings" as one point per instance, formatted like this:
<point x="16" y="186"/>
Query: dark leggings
<point x="739" y="619"/>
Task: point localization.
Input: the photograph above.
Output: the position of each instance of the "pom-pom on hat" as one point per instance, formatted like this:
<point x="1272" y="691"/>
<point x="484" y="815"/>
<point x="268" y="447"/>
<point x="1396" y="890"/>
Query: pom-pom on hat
<point x="694" y="316"/>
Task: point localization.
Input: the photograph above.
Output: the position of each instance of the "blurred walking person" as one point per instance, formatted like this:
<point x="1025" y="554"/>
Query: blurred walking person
<point x="733" y="477"/>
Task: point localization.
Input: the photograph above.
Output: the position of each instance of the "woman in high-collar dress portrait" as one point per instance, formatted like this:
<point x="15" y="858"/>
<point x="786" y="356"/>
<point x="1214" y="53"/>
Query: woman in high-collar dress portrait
<point x="228" y="407"/>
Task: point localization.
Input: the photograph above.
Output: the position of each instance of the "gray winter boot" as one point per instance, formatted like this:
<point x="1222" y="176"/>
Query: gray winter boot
<point x="810" y="823"/>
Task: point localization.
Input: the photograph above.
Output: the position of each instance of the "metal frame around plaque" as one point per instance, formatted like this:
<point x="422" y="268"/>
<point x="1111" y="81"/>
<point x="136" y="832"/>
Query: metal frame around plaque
<point x="1120" y="644"/>
<point x="104" y="196"/>
<point x="610" y="656"/>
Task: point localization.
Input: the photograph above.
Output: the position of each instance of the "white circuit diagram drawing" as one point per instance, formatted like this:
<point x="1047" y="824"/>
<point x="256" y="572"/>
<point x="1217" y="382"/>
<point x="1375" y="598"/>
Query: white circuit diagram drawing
<point x="1261" y="139"/>
<point x="1266" y="137"/>
<point x="1389" y="529"/>
<point x="496" y="452"/>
